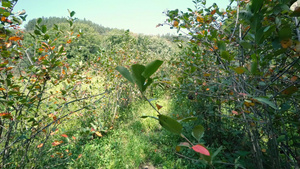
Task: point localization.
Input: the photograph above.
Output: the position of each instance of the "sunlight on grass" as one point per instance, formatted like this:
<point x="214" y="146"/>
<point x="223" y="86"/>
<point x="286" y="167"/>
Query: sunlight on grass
<point x="134" y="142"/>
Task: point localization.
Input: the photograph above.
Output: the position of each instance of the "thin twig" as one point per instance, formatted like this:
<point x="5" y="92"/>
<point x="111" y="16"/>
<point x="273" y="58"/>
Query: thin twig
<point x="150" y="103"/>
<point x="236" y="21"/>
<point x="186" y="157"/>
<point x="28" y="57"/>
<point x="40" y="130"/>
<point x="281" y="73"/>
<point x="187" y="140"/>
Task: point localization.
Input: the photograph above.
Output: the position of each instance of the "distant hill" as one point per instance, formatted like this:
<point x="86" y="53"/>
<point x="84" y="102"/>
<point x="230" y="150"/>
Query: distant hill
<point x="49" y="22"/>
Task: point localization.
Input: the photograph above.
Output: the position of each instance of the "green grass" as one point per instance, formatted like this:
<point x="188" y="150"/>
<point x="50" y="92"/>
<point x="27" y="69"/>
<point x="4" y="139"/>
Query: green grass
<point x="133" y="143"/>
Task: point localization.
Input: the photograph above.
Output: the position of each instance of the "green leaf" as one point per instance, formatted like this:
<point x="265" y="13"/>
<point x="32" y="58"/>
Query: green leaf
<point x="170" y="124"/>
<point x="281" y="138"/>
<point x="125" y="73"/>
<point x="269" y="30"/>
<point x="239" y="70"/>
<point x="37" y="32"/>
<point x="221" y="45"/>
<point x="256" y="5"/>
<point x="6" y="14"/>
<point x="259" y="35"/>
<point x="152" y="68"/>
<point x="6" y="4"/>
<point x="71" y="23"/>
<point x="266" y="101"/>
<point x="225" y="55"/>
<point x="216" y="152"/>
<point x="44" y="28"/>
<point x="254" y="67"/>
<point x="63" y="92"/>
<point x="23" y="17"/>
<point x="17" y="20"/>
<point x="198" y="132"/>
<point x="137" y="71"/>
<point x="32" y="35"/>
<point x="72" y="13"/>
<point x="46" y="36"/>
<point x="2" y="10"/>
<point x="149" y="81"/>
<point x="246" y="45"/>
<point x="285" y="32"/>
<point x="55" y="27"/>
<point x="39" y="21"/>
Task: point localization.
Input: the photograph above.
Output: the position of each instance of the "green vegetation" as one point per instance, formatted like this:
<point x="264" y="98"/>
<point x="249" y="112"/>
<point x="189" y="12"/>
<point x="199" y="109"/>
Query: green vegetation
<point x="223" y="94"/>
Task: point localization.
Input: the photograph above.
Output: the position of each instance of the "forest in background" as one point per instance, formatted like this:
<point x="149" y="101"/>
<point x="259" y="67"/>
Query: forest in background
<point x="222" y="94"/>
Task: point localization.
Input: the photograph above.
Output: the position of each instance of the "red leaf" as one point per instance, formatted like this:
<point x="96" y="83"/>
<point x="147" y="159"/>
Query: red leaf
<point x="294" y="78"/>
<point x="235" y="112"/>
<point x="79" y="156"/>
<point x="15" y="38"/>
<point x="74" y="138"/>
<point x="40" y="145"/>
<point x="6" y="115"/>
<point x="64" y="135"/>
<point x="69" y="41"/>
<point x="200" y="149"/>
<point x="158" y="106"/>
<point x="56" y="143"/>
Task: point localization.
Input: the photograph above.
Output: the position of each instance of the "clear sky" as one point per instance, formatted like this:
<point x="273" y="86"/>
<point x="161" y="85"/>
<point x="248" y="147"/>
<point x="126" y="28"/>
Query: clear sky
<point x="139" y="16"/>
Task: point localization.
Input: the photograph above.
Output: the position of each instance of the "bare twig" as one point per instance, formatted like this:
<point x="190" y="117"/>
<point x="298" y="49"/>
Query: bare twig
<point x="187" y="140"/>
<point x="237" y="19"/>
<point x="283" y="72"/>
<point x="183" y="156"/>
<point x="28" y="57"/>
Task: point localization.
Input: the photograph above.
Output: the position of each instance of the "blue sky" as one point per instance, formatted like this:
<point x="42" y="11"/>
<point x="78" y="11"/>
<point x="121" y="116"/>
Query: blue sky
<point x="139" y="16"/>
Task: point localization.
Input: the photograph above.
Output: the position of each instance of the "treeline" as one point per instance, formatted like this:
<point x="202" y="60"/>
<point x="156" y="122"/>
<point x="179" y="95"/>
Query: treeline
<point x="49" y="22"/>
